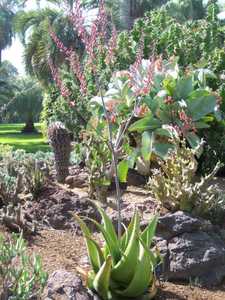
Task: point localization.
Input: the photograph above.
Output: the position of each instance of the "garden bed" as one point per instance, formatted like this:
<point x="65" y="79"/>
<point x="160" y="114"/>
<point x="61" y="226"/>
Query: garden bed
<point x="62" y="247"/>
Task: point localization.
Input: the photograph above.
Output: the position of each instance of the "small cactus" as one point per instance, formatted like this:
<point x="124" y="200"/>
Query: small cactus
<point x="60" y="140"/>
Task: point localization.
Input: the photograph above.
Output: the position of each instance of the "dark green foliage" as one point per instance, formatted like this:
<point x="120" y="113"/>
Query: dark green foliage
<point x="214" y="148"/>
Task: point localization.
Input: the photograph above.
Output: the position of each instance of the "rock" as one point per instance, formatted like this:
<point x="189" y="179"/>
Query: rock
<point x="63" y="285"/>
<point x="136" y="179"/>
<point x="77" y="181"/>
<point x="173" y="224"/>
<point x="146" y="208"/>
<point x="192" y="248"/>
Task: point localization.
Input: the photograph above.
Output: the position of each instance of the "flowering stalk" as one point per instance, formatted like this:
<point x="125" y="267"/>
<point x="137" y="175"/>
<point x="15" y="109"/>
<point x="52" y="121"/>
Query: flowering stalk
<point x="115" y="164"/>
<point x="65" y="92"/>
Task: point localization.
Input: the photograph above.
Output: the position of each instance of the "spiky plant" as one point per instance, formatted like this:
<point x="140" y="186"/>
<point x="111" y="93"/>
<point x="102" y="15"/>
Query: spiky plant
<point x="124" y="267"/>
<point x="175" y="185"/>
<point x="60" y="140"/>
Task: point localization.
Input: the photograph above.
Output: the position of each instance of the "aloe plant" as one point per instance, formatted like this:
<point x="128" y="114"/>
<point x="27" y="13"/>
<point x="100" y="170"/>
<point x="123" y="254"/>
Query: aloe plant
<point x="124" y="267"/>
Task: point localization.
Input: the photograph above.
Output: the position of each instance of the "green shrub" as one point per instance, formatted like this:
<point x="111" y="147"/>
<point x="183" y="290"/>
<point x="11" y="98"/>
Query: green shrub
<point x="21" y="276"/>
<point x="124" y="267"/>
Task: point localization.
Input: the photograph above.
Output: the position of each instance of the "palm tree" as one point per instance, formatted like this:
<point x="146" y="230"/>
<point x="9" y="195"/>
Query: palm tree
<point x="8" y="9"/>
<point x="27" y="104"/>
<point x="33" y="28"/>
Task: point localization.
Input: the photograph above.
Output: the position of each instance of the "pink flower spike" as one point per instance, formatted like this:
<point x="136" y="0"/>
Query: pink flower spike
<point x="112" y="47"/>
<point x="78" y="72"/>
<point x="65" y="92"/>
<point x="59" y="43"/>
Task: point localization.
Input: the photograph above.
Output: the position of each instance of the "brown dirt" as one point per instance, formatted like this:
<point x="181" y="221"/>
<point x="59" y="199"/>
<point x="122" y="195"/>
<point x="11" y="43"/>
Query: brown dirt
<point x="65" y="250"/>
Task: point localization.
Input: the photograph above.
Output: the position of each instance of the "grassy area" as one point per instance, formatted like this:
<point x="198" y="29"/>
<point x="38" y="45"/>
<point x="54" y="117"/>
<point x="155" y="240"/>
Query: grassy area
<point x="11" y="134"/>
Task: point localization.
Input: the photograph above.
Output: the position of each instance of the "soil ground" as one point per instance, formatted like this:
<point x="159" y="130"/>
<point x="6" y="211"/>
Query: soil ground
<point x="64" y="250"/>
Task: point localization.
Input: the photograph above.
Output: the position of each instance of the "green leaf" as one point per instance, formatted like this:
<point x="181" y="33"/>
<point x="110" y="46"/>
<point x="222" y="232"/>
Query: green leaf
<point x="102" y="279"/>
<point x="162" y="149"/>
<point x="147" y="123"/>
<point x="125" y="269"/>
<point x="147" y="145"/>
<point x="149" y="232"/>
<point x="111" y="233"/>
<point x="123" y="168"/>
<point x="142" y="278"/>
<point x="201" y="106"/>
<point x="94" y="251"/>
<point x="164" y="132"/>
<point x="193" y="140"/>
<point x="201" y="125"/>
<point x="184" y="88"/>
<point x="127" y="234"/>
<point x="132" y="158"/>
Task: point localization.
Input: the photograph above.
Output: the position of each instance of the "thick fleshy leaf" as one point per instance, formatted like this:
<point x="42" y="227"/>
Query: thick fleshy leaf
<point x="94" y="251"/>
<point x="110" y="246"/>
<point x="201" y="125"/>
<point x="102" y="279"/>
<point x="124" y="271"/>
<point x="123" y="168"/>
<point x="108" y="226"/>
<point x="149" y="232"/>
<point x="142" y="278"/>
<point x="127" y="234"/>
<point x="147" y="145"/>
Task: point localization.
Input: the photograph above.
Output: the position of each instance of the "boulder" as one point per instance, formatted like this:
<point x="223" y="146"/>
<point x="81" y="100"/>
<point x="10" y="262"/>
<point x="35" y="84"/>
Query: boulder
<point x="63" y="285"/>
<point x="192" y="248"/>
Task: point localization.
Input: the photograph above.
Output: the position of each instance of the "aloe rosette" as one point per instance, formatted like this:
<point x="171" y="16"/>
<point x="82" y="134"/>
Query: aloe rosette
<point x="124" y="267"/>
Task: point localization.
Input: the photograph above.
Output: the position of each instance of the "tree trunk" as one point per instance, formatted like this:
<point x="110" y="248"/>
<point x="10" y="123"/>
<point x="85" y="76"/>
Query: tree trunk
<point x="29" y="127"/>
<point x="0" y="57"/>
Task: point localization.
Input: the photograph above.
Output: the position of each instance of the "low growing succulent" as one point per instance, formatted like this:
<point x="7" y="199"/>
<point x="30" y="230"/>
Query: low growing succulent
<point x="21" y="276"/>
<point x="124" y="267"/>
<point x="175" y="185"/>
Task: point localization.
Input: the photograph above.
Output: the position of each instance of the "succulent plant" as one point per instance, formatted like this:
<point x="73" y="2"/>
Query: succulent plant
<point x="124" y="267"/>
<point x="175" y="185"/>
<point x="21" y="275"/>
<point x="60" y="140"/>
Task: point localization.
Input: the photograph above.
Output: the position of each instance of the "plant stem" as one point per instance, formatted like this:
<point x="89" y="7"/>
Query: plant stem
<point x="115" y="164"/>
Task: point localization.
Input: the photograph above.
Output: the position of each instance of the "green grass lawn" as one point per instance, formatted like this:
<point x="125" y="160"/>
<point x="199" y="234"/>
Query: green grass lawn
<point x="10" y="134"/>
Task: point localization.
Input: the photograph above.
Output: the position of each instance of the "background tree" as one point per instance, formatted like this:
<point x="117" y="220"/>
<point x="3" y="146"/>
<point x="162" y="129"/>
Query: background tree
<point x="8" y="87"/>
<point x="8" y="9"/>
<point x="33" y="28"/>
<point x="27" y="104"/>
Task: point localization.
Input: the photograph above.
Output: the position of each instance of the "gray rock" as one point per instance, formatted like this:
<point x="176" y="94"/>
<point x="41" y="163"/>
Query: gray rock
<point x="173" y="224"/>
<point x="191" y="248"/>
<point x="63" y="285"/>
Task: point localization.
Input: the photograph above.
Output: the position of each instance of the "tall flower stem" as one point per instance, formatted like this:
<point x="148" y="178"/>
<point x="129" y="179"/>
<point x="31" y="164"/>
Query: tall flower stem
<point x="115" y="164"/>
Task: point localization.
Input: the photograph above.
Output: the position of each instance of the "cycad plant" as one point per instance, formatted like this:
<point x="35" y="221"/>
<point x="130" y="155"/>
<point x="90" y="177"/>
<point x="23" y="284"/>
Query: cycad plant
<point x="124" y="267"/>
